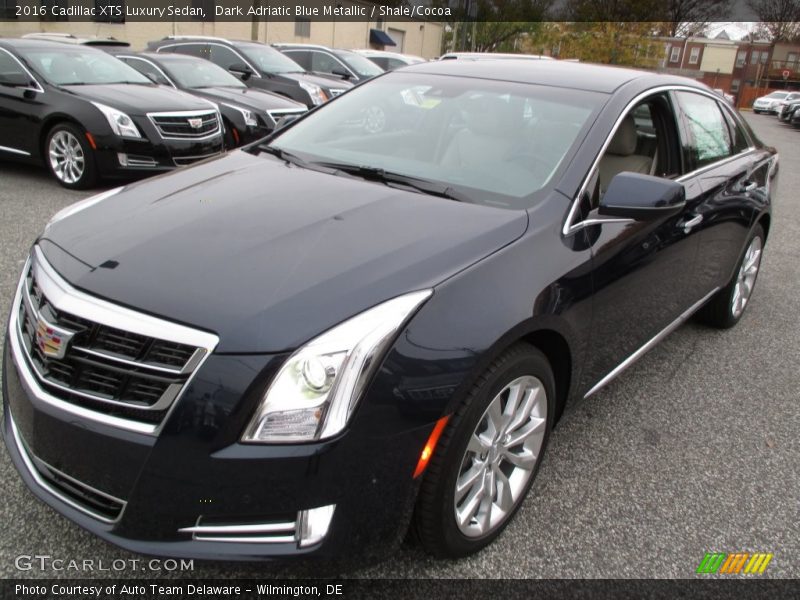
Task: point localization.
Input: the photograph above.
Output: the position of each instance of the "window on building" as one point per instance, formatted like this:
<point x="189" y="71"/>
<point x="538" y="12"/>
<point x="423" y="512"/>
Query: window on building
<point x="735" y="85"/>
<point x="109" y="11"/>
<point x="764" y="57"/>
<point x="675" y="54"/>
<point x="755" y="56"/>
<point x="791" y="60"/>
<point x="302" y="27"/>
<point x="741" y="57"/>
<point x="8" y="9"/>
<point x="694" y="56"/>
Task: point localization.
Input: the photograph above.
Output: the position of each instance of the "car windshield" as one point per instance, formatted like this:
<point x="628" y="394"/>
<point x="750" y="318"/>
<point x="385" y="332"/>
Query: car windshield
<point x="270" y="60"/>
<point x="778" y="95"/>
<point x="362" y="66"/>
<point x="199" y="73"/>
<point x="487" y="142"/>
<point x="77" y="66"/>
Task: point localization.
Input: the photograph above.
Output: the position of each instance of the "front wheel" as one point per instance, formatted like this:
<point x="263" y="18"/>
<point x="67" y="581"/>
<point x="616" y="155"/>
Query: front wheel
<point x="488" y="456"/>
<point x="727" y="306"/>
<point x="70" y="157"/>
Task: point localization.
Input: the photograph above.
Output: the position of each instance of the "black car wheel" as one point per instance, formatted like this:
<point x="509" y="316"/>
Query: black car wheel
<point x="488" y="456"/>
<point x="726" y="307"/>
<point x="70" y="157"/>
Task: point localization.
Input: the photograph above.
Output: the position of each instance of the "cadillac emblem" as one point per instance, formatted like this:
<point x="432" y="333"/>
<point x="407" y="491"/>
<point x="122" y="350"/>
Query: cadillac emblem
<point x="52" y="340"/>
<point x="195" y="123"/>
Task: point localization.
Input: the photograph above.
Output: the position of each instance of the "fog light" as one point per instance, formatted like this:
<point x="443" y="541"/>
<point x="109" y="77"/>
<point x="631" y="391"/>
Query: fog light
<point x="314" y="524"/>
<point x="123" y="159"/>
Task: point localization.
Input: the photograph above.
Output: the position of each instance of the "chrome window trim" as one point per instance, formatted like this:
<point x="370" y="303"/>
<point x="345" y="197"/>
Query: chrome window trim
<point x="65" y="297"/>
<point x="570" y="226"/>
<point x="152" y="64"/>
<point x="187" y="113"/>
<point x="38" y="87"/>
<point x="616" y="371"/>
<point x="27" y="459"/>
<point x="14" y="151"/>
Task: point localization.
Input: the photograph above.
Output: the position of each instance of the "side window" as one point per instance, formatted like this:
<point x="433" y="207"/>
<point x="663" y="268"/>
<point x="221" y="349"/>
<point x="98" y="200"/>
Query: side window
<point x="301" y="57"/>
<point x="709" y="138"/>
<point x="146" y="68"/>
<point x="324" y="63"/>
<point x="198" y="50"/>
<point x="10" y="71"/>
<point x="223" y="57"/>
<point x="740" y="141"/>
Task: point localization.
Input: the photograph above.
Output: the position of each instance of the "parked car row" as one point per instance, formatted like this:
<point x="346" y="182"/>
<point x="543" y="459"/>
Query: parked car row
<point x="773" y="102"/>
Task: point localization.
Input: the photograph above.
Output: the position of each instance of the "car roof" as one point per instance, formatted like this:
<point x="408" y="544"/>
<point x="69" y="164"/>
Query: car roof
<point x="68" y="38"/>
<point x="46" y="44"/>
<point x="554" y="73"/>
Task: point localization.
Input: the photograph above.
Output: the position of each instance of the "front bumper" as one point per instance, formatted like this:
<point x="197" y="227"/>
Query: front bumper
<point x="196" y="473"/>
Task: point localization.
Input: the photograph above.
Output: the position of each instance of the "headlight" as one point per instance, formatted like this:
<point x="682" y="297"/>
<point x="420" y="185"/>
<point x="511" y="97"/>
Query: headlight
<point x="317" y="388"/>
<point x="316" y="93"/>
<point x="81" y="205"/>
<point x="249" y="118"/>
<point x="121" y="124"/>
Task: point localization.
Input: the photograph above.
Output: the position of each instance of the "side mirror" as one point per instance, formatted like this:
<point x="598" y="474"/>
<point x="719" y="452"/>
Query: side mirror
<point x="339" y="72"/>
<point x="242" y="70"/>
<point x="642" y="197"/>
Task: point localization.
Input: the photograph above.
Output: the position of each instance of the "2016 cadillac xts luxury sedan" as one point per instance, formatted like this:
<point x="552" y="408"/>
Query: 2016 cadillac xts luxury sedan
<point x="306" y="347"/>
<point x="87" y="115"/>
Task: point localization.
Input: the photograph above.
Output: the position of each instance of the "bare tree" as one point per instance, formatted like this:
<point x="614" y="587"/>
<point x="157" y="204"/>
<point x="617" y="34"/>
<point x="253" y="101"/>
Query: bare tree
<point x="780" y="19"/>
<point x="691" y="17"/>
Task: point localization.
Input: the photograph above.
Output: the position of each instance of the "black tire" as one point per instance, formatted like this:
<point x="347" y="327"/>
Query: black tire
<point x="718" y="311"/>
<point x="88" y="176"/>
<point x="434" y="523"/>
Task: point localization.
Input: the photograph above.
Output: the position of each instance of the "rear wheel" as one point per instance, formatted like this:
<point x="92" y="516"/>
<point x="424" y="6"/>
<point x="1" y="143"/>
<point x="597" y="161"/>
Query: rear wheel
<point x="487" y="459"/>
<point x="727" y="306"/>
<point x="70" y="157"/>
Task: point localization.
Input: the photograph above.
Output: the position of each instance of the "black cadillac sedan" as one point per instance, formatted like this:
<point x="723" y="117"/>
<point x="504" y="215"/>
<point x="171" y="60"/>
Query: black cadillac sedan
<point x="247" y="113"/>
<point x="87" y="115"/>
<point x="309" y="346"/>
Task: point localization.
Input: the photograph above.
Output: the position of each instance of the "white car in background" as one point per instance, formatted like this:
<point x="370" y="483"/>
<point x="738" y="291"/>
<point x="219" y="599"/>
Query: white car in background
<point x="769" y="103"/>
<point x="728" y="97"/>
<point x="388" y="61"/>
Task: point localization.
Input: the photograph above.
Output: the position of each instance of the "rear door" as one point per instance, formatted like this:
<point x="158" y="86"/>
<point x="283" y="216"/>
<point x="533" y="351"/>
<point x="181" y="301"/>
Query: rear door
<point x="732" y="177"/>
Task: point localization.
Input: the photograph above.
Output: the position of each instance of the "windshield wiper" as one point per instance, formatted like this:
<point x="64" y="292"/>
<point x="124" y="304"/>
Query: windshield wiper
<point x="418" y="184"/>
<point x="280" y="153"/>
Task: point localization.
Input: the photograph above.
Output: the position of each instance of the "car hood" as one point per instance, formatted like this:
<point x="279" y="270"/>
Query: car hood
<point x="139" y="99"/>
<point x="251" y="98"/>
<point x="268" y="255"/>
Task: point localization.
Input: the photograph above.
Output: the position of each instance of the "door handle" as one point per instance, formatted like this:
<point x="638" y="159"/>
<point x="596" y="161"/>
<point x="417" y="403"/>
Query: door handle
<point x="693" y="222"/>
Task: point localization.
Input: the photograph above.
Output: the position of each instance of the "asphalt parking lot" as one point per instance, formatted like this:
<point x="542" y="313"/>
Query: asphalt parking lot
<point x="694" y="449"/>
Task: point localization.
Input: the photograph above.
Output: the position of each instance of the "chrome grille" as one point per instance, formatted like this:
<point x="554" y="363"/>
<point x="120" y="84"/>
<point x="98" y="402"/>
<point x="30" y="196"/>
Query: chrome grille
<point x="88" y="363"/>
<point x="186" y="125"/>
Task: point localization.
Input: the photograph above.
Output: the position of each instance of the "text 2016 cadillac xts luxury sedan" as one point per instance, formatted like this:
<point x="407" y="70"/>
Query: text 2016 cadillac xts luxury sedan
<point x="87" y="115"/>
<point x="306" y="347"/>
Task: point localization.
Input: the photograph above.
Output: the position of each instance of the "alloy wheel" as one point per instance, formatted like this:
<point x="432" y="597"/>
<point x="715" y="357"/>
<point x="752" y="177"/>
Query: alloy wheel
<point x="501" y="456"/>
<point x="66" y="157"/>
<point x="746" y="278"/>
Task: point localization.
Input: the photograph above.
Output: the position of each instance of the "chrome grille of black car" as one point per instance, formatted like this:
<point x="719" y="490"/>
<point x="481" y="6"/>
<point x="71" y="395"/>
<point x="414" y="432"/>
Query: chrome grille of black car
<point x="192" y="125"/>
<point x="105" y="369"/>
